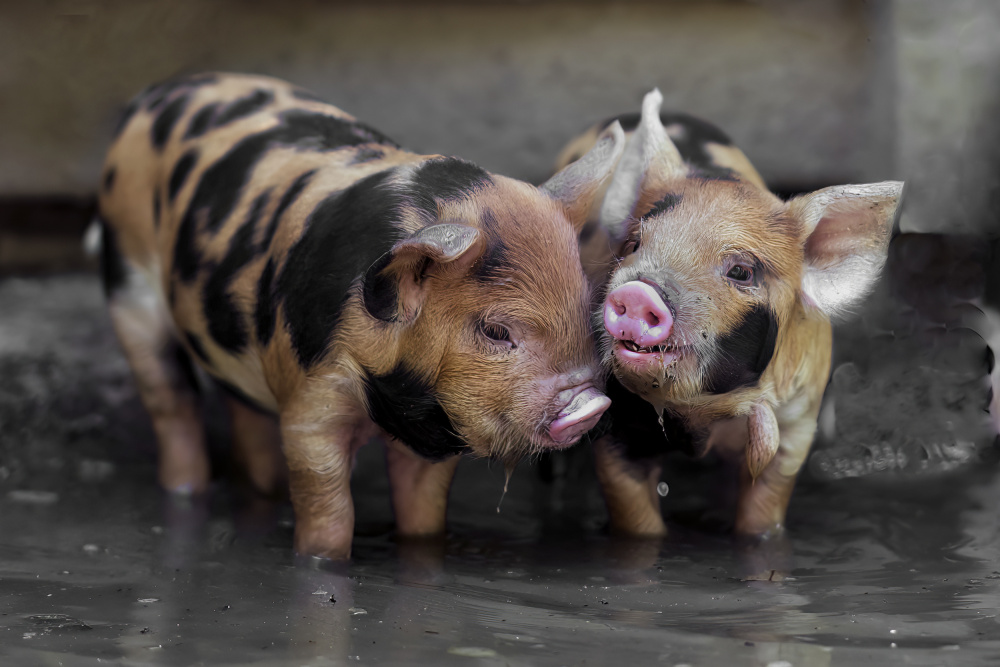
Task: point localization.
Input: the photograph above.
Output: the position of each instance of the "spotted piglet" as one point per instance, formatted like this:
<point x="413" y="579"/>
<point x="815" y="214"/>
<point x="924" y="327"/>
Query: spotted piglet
<point x="324" y="275"/>
<point x="715" y="320"/>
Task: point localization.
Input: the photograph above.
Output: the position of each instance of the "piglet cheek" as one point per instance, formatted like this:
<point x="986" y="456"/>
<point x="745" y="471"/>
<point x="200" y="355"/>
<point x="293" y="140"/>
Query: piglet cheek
<point x="579" y="416"/>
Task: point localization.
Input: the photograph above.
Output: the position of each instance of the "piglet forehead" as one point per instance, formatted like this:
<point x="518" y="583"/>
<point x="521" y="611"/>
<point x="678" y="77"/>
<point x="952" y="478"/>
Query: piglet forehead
<point x="702" y="220"/>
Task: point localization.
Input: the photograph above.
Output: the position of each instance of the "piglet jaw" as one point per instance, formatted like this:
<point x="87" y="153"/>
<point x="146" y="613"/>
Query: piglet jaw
<point x="580" y="415"/>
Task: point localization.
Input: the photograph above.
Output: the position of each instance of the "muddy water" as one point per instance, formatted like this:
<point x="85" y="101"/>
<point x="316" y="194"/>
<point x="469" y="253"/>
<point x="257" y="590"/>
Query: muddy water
<point x="894" y="556"/>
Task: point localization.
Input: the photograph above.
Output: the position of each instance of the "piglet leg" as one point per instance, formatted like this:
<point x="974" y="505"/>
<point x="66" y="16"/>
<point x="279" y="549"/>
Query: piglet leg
<point x="762" y="444"/>
<point x="764" y="497"/>
<point x="630" y="491"/>
<point x="320" y="434"/>
<point x="257" y="446"/>
<point x="419" y="489"/>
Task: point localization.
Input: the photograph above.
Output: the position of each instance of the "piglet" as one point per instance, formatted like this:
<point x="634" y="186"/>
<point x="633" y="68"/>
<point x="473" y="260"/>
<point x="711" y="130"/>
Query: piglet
<point x="323" y="275"/>
<point x="715" y="318"/>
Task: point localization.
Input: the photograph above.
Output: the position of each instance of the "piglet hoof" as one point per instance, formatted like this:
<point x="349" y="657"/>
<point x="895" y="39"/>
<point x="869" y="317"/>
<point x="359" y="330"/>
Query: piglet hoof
<point x="322" y="544"/>
<point x="765" y="558"/>
<point x="422" y="559"/>
<point x="634" y="555"/>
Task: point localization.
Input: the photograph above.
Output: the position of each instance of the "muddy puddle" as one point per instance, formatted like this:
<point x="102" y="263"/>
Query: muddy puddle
<point x="893" y="556"/>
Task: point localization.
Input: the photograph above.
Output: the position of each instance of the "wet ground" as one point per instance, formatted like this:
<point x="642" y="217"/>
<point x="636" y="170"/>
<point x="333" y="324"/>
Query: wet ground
<point x="894" y="556"/>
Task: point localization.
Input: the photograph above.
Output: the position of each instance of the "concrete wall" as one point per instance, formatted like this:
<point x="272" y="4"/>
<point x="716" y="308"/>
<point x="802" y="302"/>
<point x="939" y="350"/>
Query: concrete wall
<point x="816" y="91"/>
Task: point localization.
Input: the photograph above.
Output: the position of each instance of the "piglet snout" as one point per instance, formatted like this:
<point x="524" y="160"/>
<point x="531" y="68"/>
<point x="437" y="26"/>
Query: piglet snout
<point x="636" y="312"/>
<point x="581" y="414"/>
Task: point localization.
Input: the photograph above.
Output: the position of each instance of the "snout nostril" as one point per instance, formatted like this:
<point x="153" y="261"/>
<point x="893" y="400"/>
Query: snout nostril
<point x="652" y="319"/>
<point x="619" y="307"/>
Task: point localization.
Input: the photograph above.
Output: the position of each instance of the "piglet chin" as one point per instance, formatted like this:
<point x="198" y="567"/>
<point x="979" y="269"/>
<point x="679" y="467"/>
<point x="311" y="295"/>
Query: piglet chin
<point x="579" y="416"/>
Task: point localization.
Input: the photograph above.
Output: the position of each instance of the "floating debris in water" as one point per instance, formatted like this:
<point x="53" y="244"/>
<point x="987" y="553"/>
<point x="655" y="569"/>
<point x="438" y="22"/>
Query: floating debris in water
<point x="91" y="548"/>
<point x="357" y="611"/>
<point x="52" y="622"/>
<point x="148" y="600"/>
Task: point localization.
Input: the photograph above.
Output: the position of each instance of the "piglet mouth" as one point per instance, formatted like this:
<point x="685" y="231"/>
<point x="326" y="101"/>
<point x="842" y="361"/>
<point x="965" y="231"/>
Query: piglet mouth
<point x="629" y="352"/>
<point x="580" y="414"/>
<point x="631" y="346"/>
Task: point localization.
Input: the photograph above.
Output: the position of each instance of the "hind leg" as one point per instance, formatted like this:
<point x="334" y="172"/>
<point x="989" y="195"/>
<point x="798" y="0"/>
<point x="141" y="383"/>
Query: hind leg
<point x="257" y="446"/>
<point x="163" y="373"/>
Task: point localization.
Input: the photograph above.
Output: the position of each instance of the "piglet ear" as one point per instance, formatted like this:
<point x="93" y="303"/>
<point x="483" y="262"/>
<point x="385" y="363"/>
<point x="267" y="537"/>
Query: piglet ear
<point x="650" y="158"/>
<point x="393" y="287"/>
<point x="847" y="230"/>
<point x="576" y="185"/>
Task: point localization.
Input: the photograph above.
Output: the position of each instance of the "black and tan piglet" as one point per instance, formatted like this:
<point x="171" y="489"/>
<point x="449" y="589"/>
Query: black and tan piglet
<point x="715" y="319"/>
<point x="322" y="274"/>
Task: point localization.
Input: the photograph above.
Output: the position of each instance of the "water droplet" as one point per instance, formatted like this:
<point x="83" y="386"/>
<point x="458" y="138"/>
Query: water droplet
<point x="662" y="489"/>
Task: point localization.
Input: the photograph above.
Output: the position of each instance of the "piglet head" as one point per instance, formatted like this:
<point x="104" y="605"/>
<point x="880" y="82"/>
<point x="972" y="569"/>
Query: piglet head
<point x="712" y="267"/>
<point x="488" y="309"/>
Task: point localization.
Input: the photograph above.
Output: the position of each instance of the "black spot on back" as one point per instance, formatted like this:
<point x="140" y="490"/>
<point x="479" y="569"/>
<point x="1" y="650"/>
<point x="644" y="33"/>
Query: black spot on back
<point x="166" y="119"/>
<point x="666" y="203"/>
<point x="156" y="95"/>
<point x="201" y="121"/>
<point x="446" y="178"/>
<point x="367" y="154"/>
<point x="344" y="235"/>
<point x="405" y="406"/>
<point x="194" y="342"/>
<point x="225" y="321"/>
<point x="743" y="353"/>
<point x="180" y="172"/>
<point x="222" y="183"/>
<point x="109" y="179"/>
<point x="245" y="106"/>
<point x="691" y="145"/>
<point x="264" y="311"/>
<point x="291" y="194"/>
<point x="319" y="131"/>
<point x="113" y="269"/>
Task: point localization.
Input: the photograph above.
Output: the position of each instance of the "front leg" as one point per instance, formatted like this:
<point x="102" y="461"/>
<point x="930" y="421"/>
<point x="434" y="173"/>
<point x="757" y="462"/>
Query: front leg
<point x="320" y="432"/>
<point x="419" y="489"/>
<point x="630" y="490"/>
<point x="764" y="500"/>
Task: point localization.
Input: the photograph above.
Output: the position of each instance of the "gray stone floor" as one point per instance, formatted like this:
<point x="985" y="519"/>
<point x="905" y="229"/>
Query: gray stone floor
<point x="894" y="556"/>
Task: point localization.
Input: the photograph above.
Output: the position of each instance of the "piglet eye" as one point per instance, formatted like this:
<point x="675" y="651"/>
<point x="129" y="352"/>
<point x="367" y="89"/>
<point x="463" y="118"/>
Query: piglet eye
<point x="498" y="334"/>
<point x="740" y="273"/>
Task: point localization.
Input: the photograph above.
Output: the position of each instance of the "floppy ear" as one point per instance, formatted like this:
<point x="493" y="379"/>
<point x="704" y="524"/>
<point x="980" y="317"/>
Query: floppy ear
<point x="847" y="230"/>
<point x="650" y="158"/>
<point x="577" y="184"/>
<point x="393" y="287"/>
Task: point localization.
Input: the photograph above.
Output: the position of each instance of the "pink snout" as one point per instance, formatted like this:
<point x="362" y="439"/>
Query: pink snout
<point x="636" y="312"/>
<point x="580" y="415"/>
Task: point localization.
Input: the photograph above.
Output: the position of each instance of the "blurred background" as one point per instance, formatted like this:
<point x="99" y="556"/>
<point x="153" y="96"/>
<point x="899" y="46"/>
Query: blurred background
<point x="816" y="92"/>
